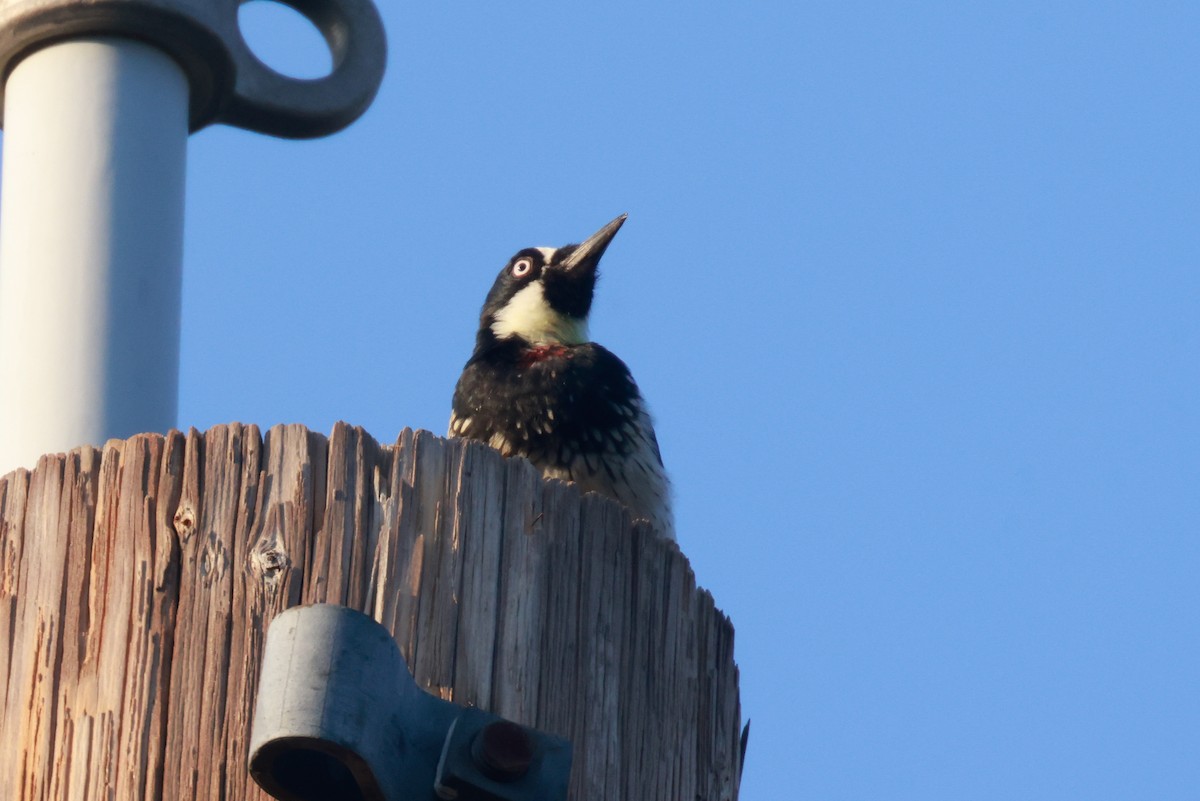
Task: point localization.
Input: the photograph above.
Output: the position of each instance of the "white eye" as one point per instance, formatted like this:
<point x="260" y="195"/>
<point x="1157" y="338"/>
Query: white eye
<point x="522" y="267"/>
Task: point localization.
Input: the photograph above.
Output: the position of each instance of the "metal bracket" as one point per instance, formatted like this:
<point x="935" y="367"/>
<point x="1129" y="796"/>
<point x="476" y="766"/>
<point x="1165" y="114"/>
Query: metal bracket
<point x="228" y="83"/>
<point x="339" y="716"/>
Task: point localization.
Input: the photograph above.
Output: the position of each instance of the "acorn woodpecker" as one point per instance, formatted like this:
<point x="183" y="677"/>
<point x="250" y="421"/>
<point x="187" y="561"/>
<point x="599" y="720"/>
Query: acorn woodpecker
<point x="536" y="387"/>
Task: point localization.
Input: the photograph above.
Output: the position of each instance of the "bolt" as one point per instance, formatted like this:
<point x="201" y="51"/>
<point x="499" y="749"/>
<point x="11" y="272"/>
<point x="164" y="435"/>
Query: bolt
<point x="503" y="751"/>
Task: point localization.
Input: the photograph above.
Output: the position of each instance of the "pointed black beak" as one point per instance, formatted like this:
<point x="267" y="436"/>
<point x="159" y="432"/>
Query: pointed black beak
<point x="588" y="254"/>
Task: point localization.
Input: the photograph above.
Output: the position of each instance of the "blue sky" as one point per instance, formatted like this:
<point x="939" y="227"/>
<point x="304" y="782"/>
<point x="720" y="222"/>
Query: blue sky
<point x="912" y="289"/>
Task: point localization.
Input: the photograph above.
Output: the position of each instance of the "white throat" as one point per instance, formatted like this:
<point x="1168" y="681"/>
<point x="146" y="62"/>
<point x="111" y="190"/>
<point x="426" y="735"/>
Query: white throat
<point x="530" y="317"/>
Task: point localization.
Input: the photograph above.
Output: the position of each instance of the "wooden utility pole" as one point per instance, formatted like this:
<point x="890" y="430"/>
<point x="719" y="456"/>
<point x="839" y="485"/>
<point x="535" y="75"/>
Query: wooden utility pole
<point x="137" y="581"/>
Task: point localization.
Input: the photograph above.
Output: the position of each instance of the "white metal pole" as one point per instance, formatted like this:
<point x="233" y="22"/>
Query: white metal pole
<point x="91" y="245"/>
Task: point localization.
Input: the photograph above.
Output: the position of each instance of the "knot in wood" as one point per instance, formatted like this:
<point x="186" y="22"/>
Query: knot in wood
<point x="185" y="521"/>
<point x="214" y="561"/>
<point x="268" y="560"/>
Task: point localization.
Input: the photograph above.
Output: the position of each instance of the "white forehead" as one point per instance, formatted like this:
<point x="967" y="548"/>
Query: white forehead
<point x="547" y="253"/>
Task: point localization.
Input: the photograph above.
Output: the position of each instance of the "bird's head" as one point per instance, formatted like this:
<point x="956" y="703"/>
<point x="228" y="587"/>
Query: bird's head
<point x="543" y="295"/>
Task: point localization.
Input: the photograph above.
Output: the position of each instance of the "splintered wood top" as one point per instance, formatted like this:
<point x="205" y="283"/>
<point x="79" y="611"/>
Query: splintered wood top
<point x="137" y="581"/>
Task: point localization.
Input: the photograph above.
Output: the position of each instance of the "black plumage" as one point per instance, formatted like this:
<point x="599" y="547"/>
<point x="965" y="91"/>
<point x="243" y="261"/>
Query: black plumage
<point x="535" y="386"/>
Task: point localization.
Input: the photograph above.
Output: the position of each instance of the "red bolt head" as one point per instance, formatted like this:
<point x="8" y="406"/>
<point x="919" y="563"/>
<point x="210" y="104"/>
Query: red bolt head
<point x="503" y="750"/>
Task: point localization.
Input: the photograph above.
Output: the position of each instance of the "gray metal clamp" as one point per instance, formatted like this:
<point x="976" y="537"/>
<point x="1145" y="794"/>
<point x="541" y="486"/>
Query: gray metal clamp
<point x="228" y="83"/>
<point x="339" y="717"/>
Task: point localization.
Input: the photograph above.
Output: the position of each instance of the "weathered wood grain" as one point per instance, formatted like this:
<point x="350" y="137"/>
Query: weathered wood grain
<point x="137" y="581"/>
